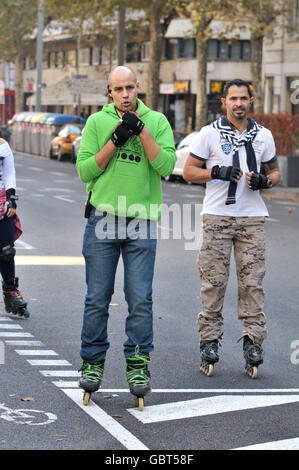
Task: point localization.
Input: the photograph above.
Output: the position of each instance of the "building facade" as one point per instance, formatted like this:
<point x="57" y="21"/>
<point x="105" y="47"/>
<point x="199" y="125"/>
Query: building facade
<point x="76" y="81"/>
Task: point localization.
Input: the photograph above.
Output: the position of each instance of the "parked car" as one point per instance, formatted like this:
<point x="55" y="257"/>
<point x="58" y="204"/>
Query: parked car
<point x="76" y="147"/>
<point x="61" y="145"/>
<point x="182" y="152"/>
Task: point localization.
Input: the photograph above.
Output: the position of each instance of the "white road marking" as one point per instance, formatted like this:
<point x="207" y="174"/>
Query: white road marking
<point x="5" y="319"/>
<point x="208" y="406"/>
<point x="285" y="444"/>
<point x="46" y="362"/>
<point x="10" y="326"/>
<point x="10" y="334"/>
<point x="60" y="373"/>
<point x="121" y="434"/>
<point x="35" y="168"/>
<point x="196" y="390"/>
<point x="65" y="199"/>
<point x="23" y="343"/>
<point x="36" y="352"/>
<point x="20" y="244"/>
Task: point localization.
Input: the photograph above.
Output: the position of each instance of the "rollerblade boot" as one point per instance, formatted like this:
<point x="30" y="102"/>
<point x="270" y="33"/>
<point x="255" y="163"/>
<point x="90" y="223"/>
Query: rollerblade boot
<point x="209" y="355"/>
<point x="91" y="378"/>
<point x="253" y="355"/>
<point x="138" y="376"/>
<point x="13" y="299"/>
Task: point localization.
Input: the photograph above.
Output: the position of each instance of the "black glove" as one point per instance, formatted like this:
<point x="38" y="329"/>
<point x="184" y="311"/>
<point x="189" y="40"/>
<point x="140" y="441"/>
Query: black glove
<point x="259" y="181"/>
<point x="120" y="135"/>
<point x="11" y="197"/>
<point x="225" y="173"/>
<point x="132" y="122"/>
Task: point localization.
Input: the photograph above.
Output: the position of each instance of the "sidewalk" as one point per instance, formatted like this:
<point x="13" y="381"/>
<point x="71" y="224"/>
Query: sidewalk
<point x="289" y="194"/>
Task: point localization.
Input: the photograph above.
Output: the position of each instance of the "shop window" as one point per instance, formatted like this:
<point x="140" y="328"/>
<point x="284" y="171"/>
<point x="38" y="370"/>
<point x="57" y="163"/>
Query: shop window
<point x="85" y="56"/>
<point x="71" y="58"/>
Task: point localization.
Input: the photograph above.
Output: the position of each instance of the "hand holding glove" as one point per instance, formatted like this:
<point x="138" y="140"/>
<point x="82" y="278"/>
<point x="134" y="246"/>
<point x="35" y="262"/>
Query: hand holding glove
<point x="257" y="181"/>
<point x="120" y="135"/>
<point x="132" y="122"/>
<point x="226" y="173"/>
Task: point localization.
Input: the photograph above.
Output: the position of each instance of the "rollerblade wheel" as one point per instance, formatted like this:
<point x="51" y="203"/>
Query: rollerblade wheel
<point x="86" y="398"/>
<point x="251" y="371"/>
<point x="24" y="312"/>
<point x="140" y="404"/>
<point x="207" y="369"/>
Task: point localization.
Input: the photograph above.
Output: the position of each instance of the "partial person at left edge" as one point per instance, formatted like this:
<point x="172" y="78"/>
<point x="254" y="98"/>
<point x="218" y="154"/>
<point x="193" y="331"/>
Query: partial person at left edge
<point x="10" y="231"/>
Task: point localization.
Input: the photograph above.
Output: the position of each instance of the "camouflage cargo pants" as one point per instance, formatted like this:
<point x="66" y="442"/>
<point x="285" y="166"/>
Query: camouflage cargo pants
<point x="218" y="236"/>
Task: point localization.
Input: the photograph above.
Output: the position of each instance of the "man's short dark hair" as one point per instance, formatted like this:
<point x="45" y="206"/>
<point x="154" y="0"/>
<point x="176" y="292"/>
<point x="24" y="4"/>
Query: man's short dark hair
<point x="236" y="82"/>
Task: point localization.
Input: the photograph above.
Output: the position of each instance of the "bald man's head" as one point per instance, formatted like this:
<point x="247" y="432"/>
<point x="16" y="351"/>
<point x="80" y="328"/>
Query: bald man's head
<point x="123" y="88"/>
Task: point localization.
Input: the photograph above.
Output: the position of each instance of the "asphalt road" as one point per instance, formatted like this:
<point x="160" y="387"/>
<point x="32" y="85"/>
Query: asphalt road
<point x="187" y="411"/>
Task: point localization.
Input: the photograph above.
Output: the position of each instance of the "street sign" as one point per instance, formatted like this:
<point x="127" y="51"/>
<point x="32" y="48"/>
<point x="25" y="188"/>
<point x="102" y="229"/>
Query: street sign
<point x="82" y="84"/>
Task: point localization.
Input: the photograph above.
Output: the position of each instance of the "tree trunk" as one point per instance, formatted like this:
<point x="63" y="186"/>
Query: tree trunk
<point x="257" y="72"/>
<point x="202" y="98"/>
<point x="153" y="76"/>
<point x="19" y="93"/>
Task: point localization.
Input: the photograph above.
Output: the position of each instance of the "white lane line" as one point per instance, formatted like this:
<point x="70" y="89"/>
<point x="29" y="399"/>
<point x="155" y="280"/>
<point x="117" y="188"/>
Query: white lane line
<point x="60" y="373"/>
<point x="10" y="326"/>
<point x="35" y="168"/>
<point x="46" y="362"/>
<point x="36" y="352"/>
<point x="23" y="343"/>
<point x="11" y="334"/>
<point x="208" y="406"/>
<point x="5" y="319"/>
<point x="285" y="444"/>
<point x="197" y="390"/>
<point x="63" y="198"/>
<point x="20" y="244"/>
<point x="121" y="434"/>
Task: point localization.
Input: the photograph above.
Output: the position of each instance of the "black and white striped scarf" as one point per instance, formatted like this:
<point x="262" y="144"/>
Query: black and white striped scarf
<point x="227" y="131"/>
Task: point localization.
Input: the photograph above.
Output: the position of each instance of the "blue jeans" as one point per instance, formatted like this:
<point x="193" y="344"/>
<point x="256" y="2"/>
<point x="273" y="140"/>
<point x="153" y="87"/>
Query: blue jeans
<point x="105" y="238"/>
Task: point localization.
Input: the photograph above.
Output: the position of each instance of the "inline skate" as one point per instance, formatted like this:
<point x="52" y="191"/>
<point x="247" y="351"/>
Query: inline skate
<point x="91" y="378"/>
<point x="253" y="355"/>
<point x="138" y="376"/>
<point x="209" y="356"/>
<point x="13" y="299"/>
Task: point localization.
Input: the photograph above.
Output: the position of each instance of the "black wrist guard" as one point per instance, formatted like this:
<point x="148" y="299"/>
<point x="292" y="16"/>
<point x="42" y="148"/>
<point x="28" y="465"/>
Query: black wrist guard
<point x="132" y="122"/>
<point x="225" y="173"/>
<point x="120" y="135"/>
<point x="259" y="181"/>
<point x="11" y="197"/>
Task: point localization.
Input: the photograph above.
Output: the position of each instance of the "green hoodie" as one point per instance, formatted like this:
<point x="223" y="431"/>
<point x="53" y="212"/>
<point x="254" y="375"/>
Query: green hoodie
<point x="130" y="186"/>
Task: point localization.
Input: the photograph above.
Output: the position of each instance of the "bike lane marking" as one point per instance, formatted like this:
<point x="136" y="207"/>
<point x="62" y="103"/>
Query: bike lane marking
<point x="208" y="406"/>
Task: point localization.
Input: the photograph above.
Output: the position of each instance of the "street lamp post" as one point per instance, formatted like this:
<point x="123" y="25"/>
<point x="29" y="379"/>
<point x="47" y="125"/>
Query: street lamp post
<point x="39" y="54"/>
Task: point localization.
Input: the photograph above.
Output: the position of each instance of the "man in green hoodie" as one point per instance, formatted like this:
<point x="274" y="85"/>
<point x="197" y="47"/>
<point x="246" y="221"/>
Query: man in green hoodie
<point x="125" y="149"/>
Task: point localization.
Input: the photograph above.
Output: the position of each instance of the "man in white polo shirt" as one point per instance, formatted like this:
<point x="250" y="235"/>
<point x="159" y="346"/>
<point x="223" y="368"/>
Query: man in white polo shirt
<point x="236" y="158"/>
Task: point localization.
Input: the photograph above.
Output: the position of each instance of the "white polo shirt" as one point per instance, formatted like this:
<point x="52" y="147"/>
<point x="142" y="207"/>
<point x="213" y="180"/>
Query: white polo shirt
<point x="213" y="149"/>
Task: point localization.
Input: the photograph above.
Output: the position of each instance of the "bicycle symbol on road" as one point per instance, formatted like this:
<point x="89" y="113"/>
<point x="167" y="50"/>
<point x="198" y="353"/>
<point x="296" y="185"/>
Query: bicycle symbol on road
<point x="29" y="417"/>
